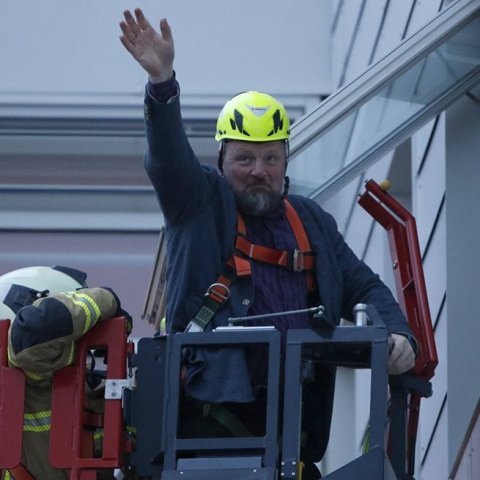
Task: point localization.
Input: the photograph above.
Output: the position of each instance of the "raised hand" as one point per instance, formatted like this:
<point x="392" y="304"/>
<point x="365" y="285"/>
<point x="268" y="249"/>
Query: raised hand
<point x="153" y="50"/>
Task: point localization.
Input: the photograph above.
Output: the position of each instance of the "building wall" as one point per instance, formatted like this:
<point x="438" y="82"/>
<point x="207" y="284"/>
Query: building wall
<point x="443" y="170"/>
<point x="72" y="187"/>
<point x="428" y="180"/>
<point x="463" y="265"/>
<point x="72" y="47"/>
<point x="364" y="31"/>
<point x="68" y="63"/>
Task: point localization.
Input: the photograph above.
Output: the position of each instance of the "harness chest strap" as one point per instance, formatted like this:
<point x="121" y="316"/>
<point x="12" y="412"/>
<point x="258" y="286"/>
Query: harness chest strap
<point x="297" y="260"/>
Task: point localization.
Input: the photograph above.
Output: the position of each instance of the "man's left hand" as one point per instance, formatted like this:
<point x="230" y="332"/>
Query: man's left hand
<point x="402" y="356"/>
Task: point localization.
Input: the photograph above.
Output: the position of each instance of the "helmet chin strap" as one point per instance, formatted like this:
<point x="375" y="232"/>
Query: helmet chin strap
<point x="20" y="296"/>
<point x="220" y="156"/>
<point x="286" y="185"/>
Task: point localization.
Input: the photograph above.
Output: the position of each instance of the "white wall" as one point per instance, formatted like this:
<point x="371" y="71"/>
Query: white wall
<point x="463" y="266"/>
<point x="445" y="202"/>
<point x="71" y="107"/>
<point x="364" y="32"/>
<point x="428" y="192"/>
<point x="72" y="46"/>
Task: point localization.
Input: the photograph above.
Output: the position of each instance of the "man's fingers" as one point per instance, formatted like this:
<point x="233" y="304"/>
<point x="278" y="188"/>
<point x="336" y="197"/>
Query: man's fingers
<point x="402" y="356"/>
<point x="165" y="29"/>
<point x="130" y="21"/>
<point x="396" y="350"/>
<point x="153" y="50"/>
<point x="143" y="23"/>
<point x="127" y="44"/>
<point x="127" y="15"/>
<point x="128" y="33"/>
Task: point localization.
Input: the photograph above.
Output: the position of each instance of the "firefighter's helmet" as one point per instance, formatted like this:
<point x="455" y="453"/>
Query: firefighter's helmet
<point x="23" y="286"/>
<point x="253" y="117"/>
<point x="6" y="313"/>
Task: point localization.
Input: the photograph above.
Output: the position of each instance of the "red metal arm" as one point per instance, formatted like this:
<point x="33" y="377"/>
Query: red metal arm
<point x="70" y="441"/>
<point x="411" y="291"/>
<point x="12" y="399"/>
<point x="408" y="271"/>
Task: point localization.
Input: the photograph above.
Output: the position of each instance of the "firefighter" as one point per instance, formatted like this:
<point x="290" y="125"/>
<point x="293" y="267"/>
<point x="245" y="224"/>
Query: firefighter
<point x="50" y="308"/>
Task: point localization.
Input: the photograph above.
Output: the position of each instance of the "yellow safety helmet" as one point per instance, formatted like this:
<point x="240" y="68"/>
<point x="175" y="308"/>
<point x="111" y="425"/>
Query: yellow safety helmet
<point x="253" y="117"/>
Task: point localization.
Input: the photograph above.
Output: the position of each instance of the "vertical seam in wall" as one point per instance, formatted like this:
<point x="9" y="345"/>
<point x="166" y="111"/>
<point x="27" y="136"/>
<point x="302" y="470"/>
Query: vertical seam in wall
<point x="404" y="34"/>
<point x="336" y="17"/>
<point x="462" y="450"/>
<point x="350" y="137"/>
<point x="350" y="47"/>
<point x="437" y="421"/>
<point x="429" y="144"/>
<point x="353" y="205"/>
<point x="368" y="240"/>
<point x="434" y="228"/>
<point x="419" y="78"/>
<point x="379" y="32"/>
<point x="440" y="311"/>
<point x="407" y="23"/>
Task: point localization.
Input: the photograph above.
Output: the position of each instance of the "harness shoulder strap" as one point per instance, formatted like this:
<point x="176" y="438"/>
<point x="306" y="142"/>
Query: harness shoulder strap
<point x="238" y="265"/>
<point x="302" y="241"/>
<point x="297" y="227"/>
<point x="217" y="294"/>
<point x="300" y="259"/>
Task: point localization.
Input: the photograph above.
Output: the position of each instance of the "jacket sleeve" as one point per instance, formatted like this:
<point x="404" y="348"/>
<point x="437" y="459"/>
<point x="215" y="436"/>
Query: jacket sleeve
<point x="42" y="336"/>
<point x="362" y="285"/>
<point x="172" y="166"/>
<point x="347" y="280"/>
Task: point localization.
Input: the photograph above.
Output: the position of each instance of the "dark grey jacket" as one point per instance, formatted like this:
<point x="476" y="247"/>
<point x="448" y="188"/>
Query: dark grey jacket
<point x="200" y="214"/>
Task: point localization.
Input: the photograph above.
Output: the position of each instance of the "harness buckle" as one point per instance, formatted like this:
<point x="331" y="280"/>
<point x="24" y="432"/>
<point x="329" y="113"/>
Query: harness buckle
<point x="296" y="262"/>
<point x="213" y="292"/>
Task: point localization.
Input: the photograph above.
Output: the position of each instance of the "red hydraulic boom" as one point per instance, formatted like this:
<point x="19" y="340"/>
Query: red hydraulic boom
<point x="12" y="391"/>
<point x="411" y="290"/>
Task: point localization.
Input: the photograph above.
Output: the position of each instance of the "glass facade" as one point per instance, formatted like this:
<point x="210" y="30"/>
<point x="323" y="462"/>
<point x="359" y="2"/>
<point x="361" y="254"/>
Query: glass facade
<point x="409" y="97"/>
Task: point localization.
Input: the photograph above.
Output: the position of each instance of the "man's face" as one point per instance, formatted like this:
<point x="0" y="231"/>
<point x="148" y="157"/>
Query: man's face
<point x="256" y="172"/>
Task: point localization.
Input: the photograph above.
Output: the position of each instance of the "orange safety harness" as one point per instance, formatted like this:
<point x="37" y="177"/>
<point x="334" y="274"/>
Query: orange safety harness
<point x="300" y="259"/>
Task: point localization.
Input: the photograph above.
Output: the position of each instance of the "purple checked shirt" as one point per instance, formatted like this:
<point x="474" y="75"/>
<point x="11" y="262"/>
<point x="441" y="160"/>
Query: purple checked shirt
<point x="276" y="289"/>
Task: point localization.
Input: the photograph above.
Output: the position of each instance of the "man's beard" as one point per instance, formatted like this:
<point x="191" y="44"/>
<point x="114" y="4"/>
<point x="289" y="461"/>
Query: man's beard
<point x="257" y="202"/>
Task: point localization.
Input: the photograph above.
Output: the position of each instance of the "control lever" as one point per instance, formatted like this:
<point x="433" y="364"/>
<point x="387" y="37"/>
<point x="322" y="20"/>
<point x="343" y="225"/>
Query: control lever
<point x="318" y="315"/>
